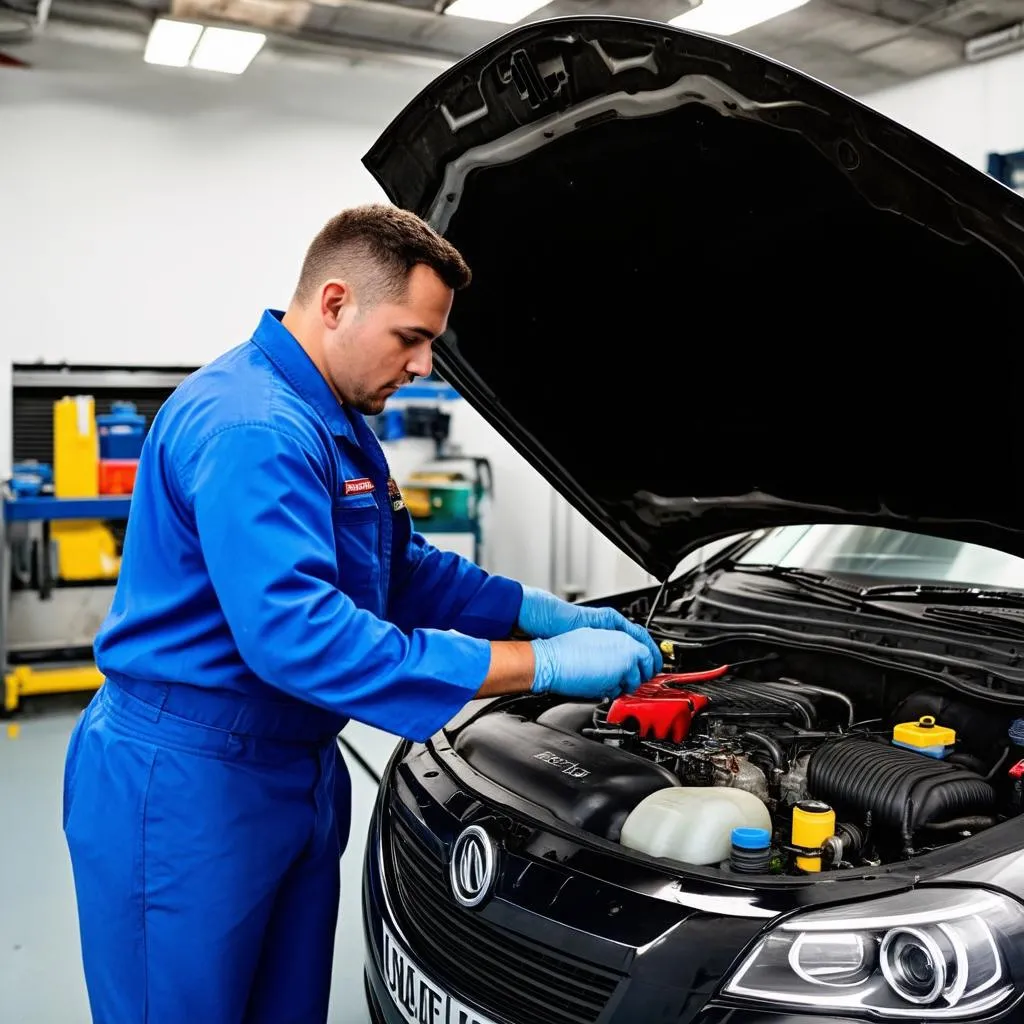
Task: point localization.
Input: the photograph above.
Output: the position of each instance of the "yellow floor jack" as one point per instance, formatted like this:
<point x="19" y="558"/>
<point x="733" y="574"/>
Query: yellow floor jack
<point x="28" y="681"/>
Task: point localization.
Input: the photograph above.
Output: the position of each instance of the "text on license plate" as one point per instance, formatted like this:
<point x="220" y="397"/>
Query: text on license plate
<point x="418" y="999"/>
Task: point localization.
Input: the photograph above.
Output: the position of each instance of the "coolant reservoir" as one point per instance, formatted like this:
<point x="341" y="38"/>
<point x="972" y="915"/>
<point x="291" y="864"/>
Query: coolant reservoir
<point x="924" y="736"/>
<point x="692" y="824"/>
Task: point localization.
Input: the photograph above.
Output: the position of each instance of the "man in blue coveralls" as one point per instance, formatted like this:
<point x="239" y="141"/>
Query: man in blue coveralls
<point x="271" y="589"/>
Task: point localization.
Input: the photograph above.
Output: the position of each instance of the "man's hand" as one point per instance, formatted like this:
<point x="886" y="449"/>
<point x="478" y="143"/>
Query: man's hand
<point x="543" y="615"/>
<point x="587" y="663"/>
<point x="591" y="663"/>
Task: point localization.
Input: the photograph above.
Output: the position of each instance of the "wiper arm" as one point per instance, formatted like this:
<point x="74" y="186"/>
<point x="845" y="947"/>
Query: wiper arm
<point x="848" y="594"/>
<point x="925" y="593"/>
<point x="938" y="593"/>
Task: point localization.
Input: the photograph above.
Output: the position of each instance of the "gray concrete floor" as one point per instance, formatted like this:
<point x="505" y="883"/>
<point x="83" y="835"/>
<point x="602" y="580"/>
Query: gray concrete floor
<point x="40" y="957"/>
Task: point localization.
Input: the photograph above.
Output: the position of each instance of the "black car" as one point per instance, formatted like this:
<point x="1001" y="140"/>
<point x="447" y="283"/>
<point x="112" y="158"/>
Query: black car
<point x="761" y="337"/>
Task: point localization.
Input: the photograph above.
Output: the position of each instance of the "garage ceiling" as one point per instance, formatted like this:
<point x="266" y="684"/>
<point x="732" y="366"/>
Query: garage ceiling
<point x="858" y="46"/>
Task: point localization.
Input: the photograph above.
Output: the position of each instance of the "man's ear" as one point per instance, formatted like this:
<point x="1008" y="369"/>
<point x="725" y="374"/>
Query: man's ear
<point x="335" y="296"/>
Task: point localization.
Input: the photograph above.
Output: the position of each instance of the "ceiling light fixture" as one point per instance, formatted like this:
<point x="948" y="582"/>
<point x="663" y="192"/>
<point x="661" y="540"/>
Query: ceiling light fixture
<point x="180" y="44"/>
<point x="171" y="42"/>
<point x="506" y="11"/>
<point x="726" y="17"/>
<point x="229" y="50"/>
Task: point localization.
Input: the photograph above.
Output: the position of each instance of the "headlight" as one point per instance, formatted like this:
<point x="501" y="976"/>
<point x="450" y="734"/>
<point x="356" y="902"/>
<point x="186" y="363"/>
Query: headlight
<point x="935" y="954"/>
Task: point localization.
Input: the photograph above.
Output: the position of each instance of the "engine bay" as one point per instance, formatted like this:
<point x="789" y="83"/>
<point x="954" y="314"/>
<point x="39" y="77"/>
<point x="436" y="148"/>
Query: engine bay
<point x="761" y="772"/>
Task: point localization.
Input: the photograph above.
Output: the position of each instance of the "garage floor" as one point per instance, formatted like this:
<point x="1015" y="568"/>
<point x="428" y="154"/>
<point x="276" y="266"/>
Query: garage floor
<point x="40" y="966"/>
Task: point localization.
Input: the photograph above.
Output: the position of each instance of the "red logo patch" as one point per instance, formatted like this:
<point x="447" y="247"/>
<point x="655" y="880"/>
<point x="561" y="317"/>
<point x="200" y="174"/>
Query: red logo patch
<point x="361" y="486"/>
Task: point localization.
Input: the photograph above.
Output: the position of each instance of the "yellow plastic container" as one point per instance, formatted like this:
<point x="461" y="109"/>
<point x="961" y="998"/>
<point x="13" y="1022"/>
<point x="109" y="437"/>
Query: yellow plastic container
<point x="76" y="448"/>
<point x="813" y="823"/>
<point x="924" y="735"/>
<point x="86" y="550"/>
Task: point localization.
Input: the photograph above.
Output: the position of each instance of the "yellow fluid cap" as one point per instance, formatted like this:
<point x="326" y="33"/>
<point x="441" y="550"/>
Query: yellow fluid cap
<point x="924" y="733"/>
<point x="667" y="647"/>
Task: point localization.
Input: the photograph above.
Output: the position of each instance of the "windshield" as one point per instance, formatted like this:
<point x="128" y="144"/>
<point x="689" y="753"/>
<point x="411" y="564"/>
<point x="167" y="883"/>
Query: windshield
<point x="887" y="554"/>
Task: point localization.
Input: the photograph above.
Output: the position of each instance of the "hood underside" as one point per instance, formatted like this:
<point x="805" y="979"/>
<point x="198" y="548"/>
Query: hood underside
<point x="711" y="294"/>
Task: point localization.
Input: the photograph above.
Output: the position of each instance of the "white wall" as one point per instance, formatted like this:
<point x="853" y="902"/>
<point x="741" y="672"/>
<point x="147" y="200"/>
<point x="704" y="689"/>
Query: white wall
<point x="972" y="110"/>
<point x="148" y="216"/>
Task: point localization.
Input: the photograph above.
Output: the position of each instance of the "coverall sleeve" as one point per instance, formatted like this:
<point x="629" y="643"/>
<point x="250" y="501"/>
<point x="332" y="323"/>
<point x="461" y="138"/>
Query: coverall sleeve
<point x="262" y="506"/>
<point x="443" y="590"/>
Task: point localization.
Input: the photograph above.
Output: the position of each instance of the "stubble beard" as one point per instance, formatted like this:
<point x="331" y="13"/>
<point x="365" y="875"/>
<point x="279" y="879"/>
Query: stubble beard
<point x="368" y="404"/>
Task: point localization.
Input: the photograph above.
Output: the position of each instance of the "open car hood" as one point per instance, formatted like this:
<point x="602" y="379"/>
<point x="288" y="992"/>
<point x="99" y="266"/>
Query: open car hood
<point x="712" y="294"/>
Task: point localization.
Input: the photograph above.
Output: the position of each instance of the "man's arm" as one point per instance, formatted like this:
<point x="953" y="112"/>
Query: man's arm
<point x="506" y="673"/>
<point x="443" y="590"/>
<point x="262" y="508"/>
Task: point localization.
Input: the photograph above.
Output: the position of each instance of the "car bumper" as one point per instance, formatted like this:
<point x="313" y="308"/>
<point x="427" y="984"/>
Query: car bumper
<point x="376" y="1009"/>
<point x="382" y="1008"/>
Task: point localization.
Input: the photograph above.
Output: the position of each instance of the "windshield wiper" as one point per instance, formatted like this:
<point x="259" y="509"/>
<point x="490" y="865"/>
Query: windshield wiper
<point x="940" y="593"/>
<point x="924" y="593"/>
<point x="847" y="594"/>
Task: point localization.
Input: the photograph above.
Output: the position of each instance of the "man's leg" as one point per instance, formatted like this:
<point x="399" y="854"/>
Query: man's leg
<point x="293" y="980"/>
<point x="179" y="842"/>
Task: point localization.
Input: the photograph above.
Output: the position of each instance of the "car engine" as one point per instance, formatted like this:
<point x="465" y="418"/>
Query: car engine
<point x="695" y="767"/>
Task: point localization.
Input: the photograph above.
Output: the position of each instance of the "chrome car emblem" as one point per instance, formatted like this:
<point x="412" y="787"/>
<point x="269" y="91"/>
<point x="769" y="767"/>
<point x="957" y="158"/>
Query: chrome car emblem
<point x="472" y="867"/>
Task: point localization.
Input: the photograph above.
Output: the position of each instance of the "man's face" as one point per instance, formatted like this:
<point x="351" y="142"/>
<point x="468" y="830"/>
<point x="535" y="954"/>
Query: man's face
<point x="371" y="352"/>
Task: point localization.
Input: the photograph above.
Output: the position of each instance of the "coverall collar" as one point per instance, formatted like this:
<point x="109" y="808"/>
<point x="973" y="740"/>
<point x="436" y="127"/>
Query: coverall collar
<point x="279" y="345"/>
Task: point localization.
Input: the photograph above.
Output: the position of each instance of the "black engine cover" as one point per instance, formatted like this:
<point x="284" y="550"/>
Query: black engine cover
<point x="579" y="781"/>
<point x="899" y="787"/>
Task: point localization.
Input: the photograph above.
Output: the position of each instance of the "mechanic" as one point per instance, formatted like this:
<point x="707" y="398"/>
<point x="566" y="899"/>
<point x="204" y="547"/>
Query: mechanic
<point x="271" y="589"/>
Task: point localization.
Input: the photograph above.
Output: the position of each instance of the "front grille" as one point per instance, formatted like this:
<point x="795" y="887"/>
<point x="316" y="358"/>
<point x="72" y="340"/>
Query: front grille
<point x="503" y="973"/>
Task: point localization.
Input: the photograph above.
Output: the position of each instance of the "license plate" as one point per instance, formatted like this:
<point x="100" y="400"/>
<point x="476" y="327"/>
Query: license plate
<point x="419" y="999"/>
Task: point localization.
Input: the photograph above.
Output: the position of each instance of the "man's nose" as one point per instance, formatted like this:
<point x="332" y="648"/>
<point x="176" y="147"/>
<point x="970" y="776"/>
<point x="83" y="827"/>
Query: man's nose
<point x="421" y="363"/>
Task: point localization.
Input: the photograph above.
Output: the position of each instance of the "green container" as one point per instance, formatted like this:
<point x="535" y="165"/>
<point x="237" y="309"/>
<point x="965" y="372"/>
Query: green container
<point x="451" y="501"/>
<point x="448" y="488"/>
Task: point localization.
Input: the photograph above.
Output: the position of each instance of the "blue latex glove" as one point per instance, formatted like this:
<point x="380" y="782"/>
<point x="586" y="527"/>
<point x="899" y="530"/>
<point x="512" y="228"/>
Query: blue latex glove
<point x="544" y="615"/>
<point x="591" y="663"/>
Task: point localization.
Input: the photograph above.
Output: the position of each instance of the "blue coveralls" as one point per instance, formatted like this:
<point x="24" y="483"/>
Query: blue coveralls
<point x="271" y="589"/>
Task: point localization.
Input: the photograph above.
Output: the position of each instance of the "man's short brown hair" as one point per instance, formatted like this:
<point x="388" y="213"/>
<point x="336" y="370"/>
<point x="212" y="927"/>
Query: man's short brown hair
<point x="375" y="248"/>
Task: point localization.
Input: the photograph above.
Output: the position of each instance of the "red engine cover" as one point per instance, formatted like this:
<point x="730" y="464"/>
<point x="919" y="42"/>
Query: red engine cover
<point x="660" y="708"/>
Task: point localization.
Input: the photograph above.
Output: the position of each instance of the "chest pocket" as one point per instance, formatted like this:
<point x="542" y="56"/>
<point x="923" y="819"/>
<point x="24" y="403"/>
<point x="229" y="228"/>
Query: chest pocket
<point x="356" y="522"/>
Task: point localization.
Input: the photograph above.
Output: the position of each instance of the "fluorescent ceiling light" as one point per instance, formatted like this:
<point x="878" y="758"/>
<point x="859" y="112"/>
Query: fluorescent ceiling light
<point x="180" y="44"/>
<point x="171" y="42"/>
<point x="726" y="17"/>
<point x="506" y="11"/>
<point x="230" y="50"/>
